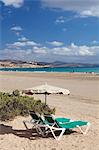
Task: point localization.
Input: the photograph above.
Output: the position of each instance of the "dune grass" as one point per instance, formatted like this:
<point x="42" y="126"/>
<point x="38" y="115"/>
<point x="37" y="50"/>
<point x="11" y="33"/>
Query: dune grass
<point x="12" y="105"/>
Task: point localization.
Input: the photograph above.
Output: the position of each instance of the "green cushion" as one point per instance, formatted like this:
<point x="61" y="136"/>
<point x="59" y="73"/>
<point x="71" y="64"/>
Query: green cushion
<point x="73" y="124"/>
<point x="62" y="120"/>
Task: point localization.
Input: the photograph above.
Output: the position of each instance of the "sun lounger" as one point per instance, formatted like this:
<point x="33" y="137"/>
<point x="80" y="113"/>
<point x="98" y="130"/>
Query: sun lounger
<point x="63" y="124"/>
<point x="47" y="123"/>
<point x="35" y="119"/>
<point x="37" y="123"/>
<point x="53" y="120"/>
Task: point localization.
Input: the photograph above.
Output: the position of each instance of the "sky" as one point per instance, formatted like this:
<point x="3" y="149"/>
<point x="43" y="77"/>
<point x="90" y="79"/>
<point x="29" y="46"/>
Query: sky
<point x="50" y="30"/>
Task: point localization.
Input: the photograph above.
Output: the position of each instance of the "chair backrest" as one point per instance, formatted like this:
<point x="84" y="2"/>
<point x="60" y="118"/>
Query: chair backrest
<point x="50" y="120"/>
<point x="36" y="118"/>
<point x="34" y="115"/>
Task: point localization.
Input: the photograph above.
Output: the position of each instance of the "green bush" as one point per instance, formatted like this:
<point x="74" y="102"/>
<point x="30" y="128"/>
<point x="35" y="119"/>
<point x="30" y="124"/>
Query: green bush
<point x="16" y="93"/>
<point x="12" y="105"/>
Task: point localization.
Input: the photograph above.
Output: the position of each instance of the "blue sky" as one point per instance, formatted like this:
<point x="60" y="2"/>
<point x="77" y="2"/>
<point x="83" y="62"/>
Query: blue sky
<point x="50" y="30"/>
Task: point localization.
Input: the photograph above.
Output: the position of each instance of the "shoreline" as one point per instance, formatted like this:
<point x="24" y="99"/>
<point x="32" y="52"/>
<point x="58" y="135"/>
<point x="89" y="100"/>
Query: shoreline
<point x="85" y="70"/>
<point x="93" y="73"/>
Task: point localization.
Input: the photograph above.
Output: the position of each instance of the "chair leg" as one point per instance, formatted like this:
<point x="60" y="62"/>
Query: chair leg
<point x="59" y="137"/>
<point x="84" y="132"/>
<point x="29" y="122"/>
<point x="61" y="134"/>
<point x="40" y="131"/>
<point x="25" y="124"/>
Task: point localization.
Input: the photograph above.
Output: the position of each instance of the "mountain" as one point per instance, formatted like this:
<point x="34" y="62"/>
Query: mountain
<point x="20" y="64"/>
<point x="34" y="64"/>
<point x="64" y="64"/>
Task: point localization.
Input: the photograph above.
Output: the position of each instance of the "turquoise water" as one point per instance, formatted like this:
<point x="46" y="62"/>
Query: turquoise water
<point x="60" y="69"/>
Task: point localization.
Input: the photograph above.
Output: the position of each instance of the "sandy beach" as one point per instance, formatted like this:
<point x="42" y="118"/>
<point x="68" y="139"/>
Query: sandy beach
<point x="81" y="104"/>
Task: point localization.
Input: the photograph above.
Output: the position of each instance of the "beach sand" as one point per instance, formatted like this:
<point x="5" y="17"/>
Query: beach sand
<point x="81" y="104"/>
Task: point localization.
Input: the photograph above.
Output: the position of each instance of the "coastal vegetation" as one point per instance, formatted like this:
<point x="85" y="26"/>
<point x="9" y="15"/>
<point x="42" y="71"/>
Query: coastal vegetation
<point x="12" y="105"/>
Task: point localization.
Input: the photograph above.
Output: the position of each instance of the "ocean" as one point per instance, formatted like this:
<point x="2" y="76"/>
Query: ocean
<point x="57" y="69"/>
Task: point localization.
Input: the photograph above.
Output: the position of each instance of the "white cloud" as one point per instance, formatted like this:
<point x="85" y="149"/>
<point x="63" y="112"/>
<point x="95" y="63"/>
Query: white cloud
<point x="55" y="43"/>
<point x="16" y="28"/>
<point x="14" y="3"/>
<point x="60" y="19"/>
<point x="23" y="39"/>
<point x="16" y="54"/>
<point x="31" y="43"/>
<point x="61" y="51"/>
<point x="75" y="50"/>
<point x="86" y="51"/>
<point x="17" y="44"/>
<point x="94" y="12"/>
<point x="40" y="50"/>
<point x="70" y="50"/>
<point x="82" y="50"/>
<point x="21" y="44"/>
<point x="29" y="50"/>
<point x="84" y="8"/>
<point x="17" y="33"/>
<point x="73" y="46"/>
<point x="95" y="42"/>
<point x="23" y="54"/>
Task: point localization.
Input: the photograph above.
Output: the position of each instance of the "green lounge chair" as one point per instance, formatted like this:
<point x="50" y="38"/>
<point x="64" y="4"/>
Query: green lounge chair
<point x="35" y="119"/>
<point x="63" y="124"/>
<point x="47" y="123"/>
<point x="37" y="123"/>
<point x="52" y="119"/>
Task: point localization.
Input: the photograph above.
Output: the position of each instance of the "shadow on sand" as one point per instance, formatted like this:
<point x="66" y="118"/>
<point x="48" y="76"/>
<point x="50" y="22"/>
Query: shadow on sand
<point x="28" y="133"/>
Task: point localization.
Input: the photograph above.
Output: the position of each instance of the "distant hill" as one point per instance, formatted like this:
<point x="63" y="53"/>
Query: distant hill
<point x="20" y="64"/>
<point x="64" y="64"/>
<point x="34" y="64"/>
